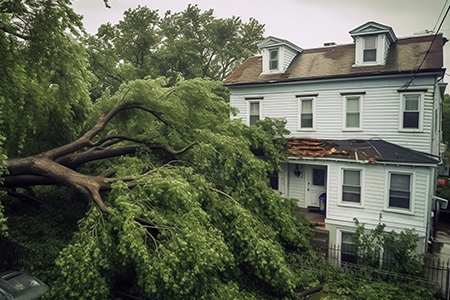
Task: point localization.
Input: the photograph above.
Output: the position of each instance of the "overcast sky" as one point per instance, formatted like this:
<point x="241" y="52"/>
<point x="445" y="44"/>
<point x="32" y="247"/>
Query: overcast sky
<point x="306" y="23"/>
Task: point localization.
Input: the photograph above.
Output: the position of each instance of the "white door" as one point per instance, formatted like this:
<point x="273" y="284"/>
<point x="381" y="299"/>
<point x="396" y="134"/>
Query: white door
<point x="316" y="184"/>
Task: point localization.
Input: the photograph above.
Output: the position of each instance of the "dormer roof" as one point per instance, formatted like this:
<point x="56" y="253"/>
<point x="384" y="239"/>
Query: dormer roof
<point x="371" y="28"/>
<point x="271" y="42"/>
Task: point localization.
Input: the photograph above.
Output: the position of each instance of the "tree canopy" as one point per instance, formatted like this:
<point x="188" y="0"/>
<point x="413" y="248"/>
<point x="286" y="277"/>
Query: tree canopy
<point x="192" y="43"/>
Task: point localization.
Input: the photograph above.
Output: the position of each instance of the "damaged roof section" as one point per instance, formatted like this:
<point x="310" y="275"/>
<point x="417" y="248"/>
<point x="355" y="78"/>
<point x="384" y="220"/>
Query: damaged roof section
<point x="358" y="150"/>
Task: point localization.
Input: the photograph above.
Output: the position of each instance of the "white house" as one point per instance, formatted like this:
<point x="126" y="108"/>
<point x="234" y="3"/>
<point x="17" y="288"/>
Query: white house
<point x="365" y="123"/>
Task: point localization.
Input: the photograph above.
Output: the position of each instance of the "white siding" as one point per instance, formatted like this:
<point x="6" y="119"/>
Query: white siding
<point x="288" y="56"/>
<point x="375" y="191"/>
<point x="381" y="105"/>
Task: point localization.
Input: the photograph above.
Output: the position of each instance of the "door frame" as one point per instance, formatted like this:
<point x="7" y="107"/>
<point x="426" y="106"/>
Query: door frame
<point x="309" y="178"/>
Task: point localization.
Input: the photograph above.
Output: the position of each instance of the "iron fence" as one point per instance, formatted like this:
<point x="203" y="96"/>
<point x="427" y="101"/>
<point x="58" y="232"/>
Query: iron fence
<point x="432" y="272"/>
<point x="13" y="256"/>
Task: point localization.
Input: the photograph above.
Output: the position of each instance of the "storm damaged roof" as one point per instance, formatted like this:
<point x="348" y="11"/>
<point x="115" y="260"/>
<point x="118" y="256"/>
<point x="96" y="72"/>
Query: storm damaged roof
<point x="358" y="150"/>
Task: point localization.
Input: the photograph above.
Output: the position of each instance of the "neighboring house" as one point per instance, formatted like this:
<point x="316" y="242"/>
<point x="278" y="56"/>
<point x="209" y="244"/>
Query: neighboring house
<point x="365" y="123"/>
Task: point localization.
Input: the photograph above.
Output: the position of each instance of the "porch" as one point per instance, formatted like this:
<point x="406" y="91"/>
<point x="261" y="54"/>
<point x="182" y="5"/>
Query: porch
<point x="313" y="215"/>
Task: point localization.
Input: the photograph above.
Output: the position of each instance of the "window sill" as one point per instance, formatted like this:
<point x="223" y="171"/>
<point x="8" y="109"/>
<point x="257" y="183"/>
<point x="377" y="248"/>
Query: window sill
<point x="399" y="211"/>
<point x="410" y="130"/>
<point x="350" y="204"/>
<point x="367" y="64"/>
<point x="352" y="129"/>
<point x="306" y="129"/>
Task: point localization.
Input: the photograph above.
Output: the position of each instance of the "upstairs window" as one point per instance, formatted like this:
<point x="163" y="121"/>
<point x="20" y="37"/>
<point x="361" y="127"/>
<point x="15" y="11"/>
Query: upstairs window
<point x="254" y="112"/>
<point x="400" y="191"/>
<point x="273" y="60"/>
<point x="411" y="110"/>
<point x="306" y="111"/>
<point x="306" y="114"/>
<point x="370" y="49"/>
<point x="352" y="112"/>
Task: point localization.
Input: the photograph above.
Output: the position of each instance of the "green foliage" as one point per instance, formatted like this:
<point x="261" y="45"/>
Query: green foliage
<point x="388" y="250"/>
<point x="43" y="89"/>
<point x="191" y="43"/>
<point x="199" y="225"/>
<point x="361" y="283"/>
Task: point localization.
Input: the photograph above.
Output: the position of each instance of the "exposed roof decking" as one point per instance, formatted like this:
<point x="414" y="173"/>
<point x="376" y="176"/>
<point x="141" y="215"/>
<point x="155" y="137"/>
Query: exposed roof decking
<point x="357" y="150"/>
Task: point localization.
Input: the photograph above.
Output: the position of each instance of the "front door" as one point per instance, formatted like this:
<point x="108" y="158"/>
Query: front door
<point x="316" y="184"/>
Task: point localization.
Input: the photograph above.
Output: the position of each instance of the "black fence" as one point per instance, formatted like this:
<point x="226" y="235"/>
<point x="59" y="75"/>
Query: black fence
<point x="431" y="271"/>
<point x="13" y="256"/>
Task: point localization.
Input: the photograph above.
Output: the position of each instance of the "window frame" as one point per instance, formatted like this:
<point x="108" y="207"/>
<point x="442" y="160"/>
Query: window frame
<point x="345" y="98"/>
<point x="249" y="115"/>
<point x="370" y="49"/>
<point x="339" y="241"/>
<point x="341" y="201"/>
<point x="277" y="59"/>
<point x="421" y="99"/>
<point x="300" y="99"/>
<point x="387" y="207"/>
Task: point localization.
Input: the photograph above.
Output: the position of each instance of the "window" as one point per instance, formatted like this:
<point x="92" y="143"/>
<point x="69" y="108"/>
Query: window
<point x="273" y="59"/>
<point x="351" y="186"/>
<point x="306" y="108"/>
<point x="348" y="248"/>
<point x="411" y="112"/>
<point x="318" y="177"/>
<point x="400" y="191"/>
<point x="254" y="112"/>
<point x="370" y="49"/>
<point x="352" y="115"/>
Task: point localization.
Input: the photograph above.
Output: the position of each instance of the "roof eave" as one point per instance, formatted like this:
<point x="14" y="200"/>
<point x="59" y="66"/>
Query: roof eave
<point x="437" y="71"/>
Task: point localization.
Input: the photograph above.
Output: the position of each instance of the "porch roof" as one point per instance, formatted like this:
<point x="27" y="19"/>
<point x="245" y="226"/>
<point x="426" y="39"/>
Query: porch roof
<point x="359" y="150"/>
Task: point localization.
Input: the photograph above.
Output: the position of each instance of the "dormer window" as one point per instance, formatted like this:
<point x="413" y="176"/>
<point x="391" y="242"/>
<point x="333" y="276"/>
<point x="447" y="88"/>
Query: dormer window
<point x="273" y="60"/>
<point x="372" y="42"/>
<point x="370" y="48"/>
<point x="277" y="54"/>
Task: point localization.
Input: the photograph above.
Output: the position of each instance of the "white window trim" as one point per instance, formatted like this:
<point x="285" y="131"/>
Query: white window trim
<point x="344" y="113"/>
<point x="399" y="210"/>
<point x="248" y="109"/>
<point x="359" y="50"/>
<point x="402" y="107"/>
<point x="266" y="60"/>
<point x="339" y="232"/>
<point x="340" y="188"/>
<point x="299" y="115"/>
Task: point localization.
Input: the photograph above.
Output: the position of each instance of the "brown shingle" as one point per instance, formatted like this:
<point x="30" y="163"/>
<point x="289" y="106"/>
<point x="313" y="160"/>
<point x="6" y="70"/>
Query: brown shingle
<point x="405" y="55"/>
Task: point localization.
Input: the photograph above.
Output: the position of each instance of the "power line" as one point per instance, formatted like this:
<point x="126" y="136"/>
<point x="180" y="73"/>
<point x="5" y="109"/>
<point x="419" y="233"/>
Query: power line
<point x="442" y="11"/>
<point x="431" y="45"/>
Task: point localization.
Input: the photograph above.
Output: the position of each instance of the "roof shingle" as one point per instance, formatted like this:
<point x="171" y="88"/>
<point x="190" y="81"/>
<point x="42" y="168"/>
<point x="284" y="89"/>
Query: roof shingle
<point x="405" y="55"/>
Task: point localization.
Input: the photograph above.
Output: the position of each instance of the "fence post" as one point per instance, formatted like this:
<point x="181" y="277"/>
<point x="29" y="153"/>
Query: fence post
<point x="447" y="281"/>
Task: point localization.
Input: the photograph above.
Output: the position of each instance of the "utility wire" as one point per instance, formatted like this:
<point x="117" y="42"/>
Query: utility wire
<point x="431" y="45"/>
<point x="440" y="15"/>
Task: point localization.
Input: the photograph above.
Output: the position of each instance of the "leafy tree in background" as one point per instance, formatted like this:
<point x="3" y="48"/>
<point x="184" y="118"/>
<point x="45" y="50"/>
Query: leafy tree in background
<point x="191" y="43"/>
<point x="43" y="91"/>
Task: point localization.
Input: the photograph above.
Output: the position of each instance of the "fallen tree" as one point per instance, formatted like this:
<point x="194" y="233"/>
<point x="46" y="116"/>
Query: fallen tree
<point x="198" y="221"/>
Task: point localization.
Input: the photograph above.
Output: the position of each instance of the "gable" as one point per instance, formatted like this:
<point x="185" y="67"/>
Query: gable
<point x="371" y="28"/>
<point x="271" y="42"/>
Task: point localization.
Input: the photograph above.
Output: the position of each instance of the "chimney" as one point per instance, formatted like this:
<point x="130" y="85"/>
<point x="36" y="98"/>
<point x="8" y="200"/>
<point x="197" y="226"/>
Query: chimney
<point x="328" y="44"/>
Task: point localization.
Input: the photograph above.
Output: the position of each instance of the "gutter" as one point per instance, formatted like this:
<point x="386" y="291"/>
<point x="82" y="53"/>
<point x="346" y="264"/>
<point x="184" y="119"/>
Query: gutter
<point x="438" y="72"/>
